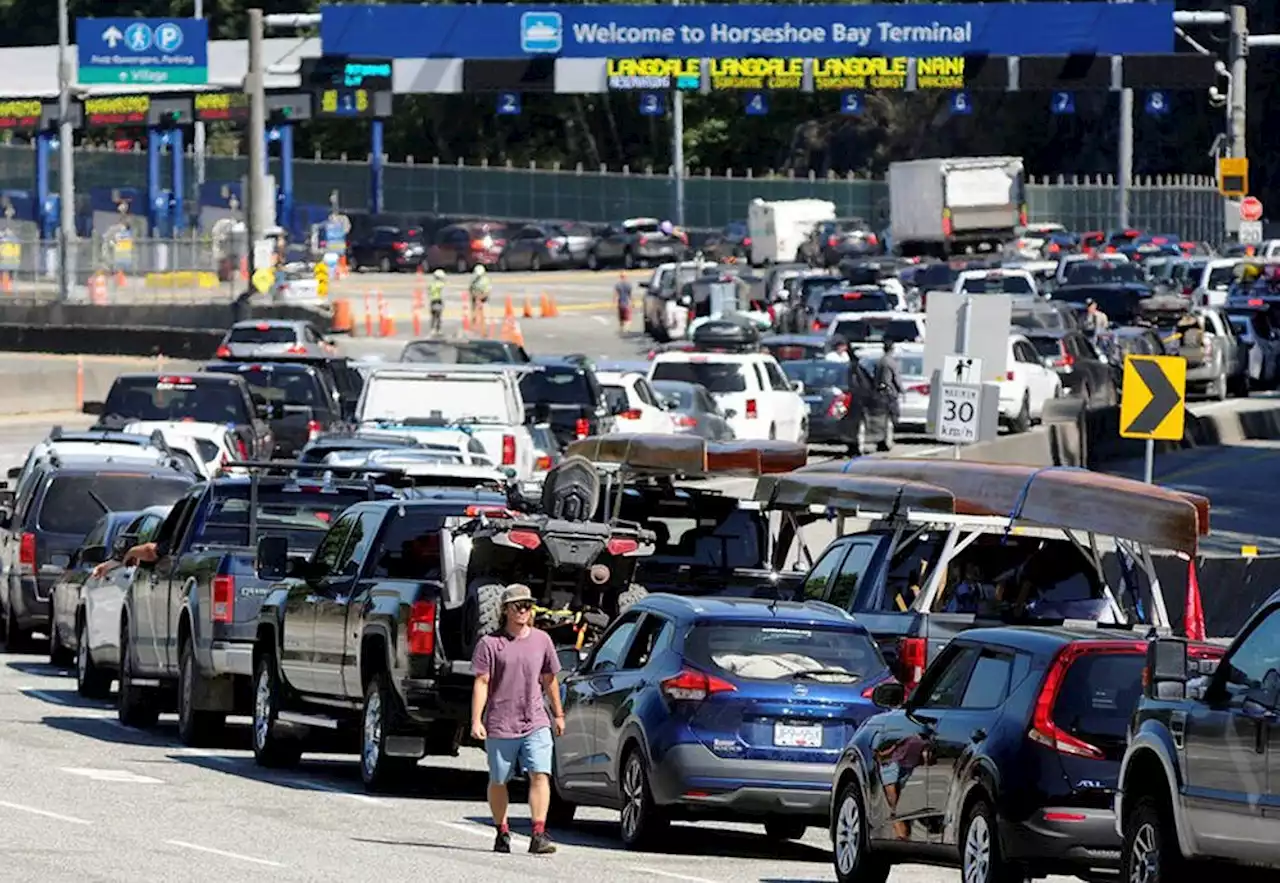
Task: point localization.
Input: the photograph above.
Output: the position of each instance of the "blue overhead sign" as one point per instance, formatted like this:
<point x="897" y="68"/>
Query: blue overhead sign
<point x="143" y="51"/>
<point x="481" y="31"/>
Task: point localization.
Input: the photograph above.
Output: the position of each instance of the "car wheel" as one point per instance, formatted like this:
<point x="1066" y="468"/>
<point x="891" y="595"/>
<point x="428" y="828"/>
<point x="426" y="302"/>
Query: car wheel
<point x="91" y="681"/>
<point x="15" y="639"/>
<point x="487" y="600"/>
<point x="980" y="857"/>
<point x="378" y="771"/>
<point x="1022" y="422"/>
<point x="535" y="263"/>
<point x="784" y="829"/>
<point x="461" y="266"/>
<point x="593" y="261"/>
<point x="59" y="656"/>
<point x="1238" y="386"/>
<point x="270" y="748"/>
<point x="503" y="266"/>
<point x="385" y="264"/>
<point x="641" y="821"/>
<point x="1150" y="853"/>
<point x="854" y="859"/>
<point x="196" y="728"/>
<point x="137" y="705"/>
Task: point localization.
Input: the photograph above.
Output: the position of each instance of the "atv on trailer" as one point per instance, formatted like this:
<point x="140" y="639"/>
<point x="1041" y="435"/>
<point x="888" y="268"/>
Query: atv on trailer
<point x="580" y="569"/>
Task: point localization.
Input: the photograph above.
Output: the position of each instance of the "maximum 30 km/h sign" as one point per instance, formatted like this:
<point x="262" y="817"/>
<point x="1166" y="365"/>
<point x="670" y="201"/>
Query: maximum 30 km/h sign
<point x="1153" y="401"/>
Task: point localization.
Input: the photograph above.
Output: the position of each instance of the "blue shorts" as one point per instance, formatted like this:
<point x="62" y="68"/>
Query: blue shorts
<point x="531" y="752"/>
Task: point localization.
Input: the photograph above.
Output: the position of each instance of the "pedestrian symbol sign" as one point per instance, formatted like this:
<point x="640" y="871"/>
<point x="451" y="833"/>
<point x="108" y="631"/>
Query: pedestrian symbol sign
<point x="1153" y="401"/>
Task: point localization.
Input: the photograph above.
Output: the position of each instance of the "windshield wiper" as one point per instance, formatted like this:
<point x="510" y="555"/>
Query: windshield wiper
<point x="815" y="673"/>
<point x="93" y="495"/>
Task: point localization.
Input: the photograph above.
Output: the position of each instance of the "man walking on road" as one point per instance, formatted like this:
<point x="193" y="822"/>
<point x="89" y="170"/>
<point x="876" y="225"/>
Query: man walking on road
<point x="479" y="291"/>
<point x="623" y="293"/>
<point x="515" y="667"/>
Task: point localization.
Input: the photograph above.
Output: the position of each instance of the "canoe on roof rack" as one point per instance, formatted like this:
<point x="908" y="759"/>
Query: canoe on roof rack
<point x="851" y="494"/>
<point x="1056" y="496"/>
<point x="689" y="455"/>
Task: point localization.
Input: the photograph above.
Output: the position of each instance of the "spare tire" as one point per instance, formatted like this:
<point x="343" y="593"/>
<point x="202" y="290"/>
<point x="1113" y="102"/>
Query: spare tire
<point x="487" y="608"/>
<point x="572" y="490"/>
<point x="634" y="592"/>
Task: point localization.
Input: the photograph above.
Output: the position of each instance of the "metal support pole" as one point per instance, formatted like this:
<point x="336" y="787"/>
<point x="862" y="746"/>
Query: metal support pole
<point x="257" y="215"/>
<point x="1237" y="101"/>
<point x="176" y="160"/>
<point x="66" y="158"/>
<point x="677" y="148"/>
<point x="198" y="137"/>
<point x="1126" y="155"/>
<point x="286" y="177"/>
<point x="376" y="151"/>
<point x="155" y="142"/>
<point x="1149" y="468"/>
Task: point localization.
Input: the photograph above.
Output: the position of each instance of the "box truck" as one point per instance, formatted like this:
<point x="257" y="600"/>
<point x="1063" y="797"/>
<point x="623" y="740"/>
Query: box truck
<point x="956" y="205"/>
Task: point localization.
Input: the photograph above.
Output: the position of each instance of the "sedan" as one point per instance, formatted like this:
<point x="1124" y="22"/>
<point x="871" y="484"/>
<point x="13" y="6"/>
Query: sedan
<point x="547" y="246"/>
<point x="693" y="411"/>
<point x="274" y="337"/>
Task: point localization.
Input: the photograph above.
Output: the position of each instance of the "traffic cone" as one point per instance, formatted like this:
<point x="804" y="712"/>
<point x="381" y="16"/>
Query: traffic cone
<point x="6" y="282"/>
<point x="368" y="317"/>
<point x="466" y="316"/>
<point x="510" y="311"/>
<point x="528" y="308"/>
<point x="382" y="316"/>
<point x="511" y="332"/>
<point x="544" y="306"/>
<point x="342" y="320"/>
<point x="418" y="298"/>
<point x="120" y="280"/>
<point x="244" y="268"/>
<point x="344" y="269"/>
<point x="555" y="310"/>
<point x="417" y="320"/>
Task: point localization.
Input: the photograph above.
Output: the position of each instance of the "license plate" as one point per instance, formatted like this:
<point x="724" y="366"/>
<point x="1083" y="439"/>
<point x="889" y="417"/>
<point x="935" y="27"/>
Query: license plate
<point x="797" y="735"/>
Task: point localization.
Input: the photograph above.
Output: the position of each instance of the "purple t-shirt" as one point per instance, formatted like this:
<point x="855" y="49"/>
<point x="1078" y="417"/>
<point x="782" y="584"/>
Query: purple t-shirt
<point x="515" y="667"/>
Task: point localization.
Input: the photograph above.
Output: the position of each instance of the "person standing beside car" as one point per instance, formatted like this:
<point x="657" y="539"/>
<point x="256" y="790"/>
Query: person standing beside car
<point x="514" y="668"/>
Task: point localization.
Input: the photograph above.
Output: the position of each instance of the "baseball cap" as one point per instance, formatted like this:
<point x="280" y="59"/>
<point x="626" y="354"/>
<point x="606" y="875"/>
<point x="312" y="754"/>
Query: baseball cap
<point x="516" y="592"/>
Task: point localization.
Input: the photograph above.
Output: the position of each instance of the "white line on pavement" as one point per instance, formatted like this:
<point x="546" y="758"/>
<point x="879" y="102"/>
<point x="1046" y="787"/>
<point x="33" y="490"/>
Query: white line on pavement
<point x="469" y="828"/>
<point x="234" y="855"/>
<point x="670" y="874"/>
<point x="42" y="812"/>
<point x="330" y="789"/>
<point x="601" y="319"/>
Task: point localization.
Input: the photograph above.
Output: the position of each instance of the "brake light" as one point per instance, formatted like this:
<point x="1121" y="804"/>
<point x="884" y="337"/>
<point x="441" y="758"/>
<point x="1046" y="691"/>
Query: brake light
<point x="27" y="551"/>
<point x="1043" y="729"/>
<point x="222" y="352"/>
<point x="1255" y="301"/>
<point x="852" y="295"/>
<point x="313" y="429"/>
<point x="840" y="405"/>
<point x="526" y="539"/>
<point x="746" y="240"/>
<point x="694" y="686"/>
<point x="913" y="653"/>
<point x="872" y="240"/>
<point x="550" y="244"/>
<point x="422" y="628"/>
<point x="1064" y="361"/>
<point x="168" y="378"/>
<point x="817" y="326"/>
<point x="832" y="241"/>
<point x="921" y="388"/>
<point x="490" y="511"/>
<point x="630" y="414"/>
<point x="224" y="598"/>
<point x="1008" y="375"/>
<point x="752" y="411"/>
<point x="477" y="245"/>
<point x="297" y="349"/>
<point x="621" y="546"/>
<point x="263" y="326"/>
<point x="242" y="448"/>
<point x="508" y="450"/>
<point x="1065" y="817"/>
<point x="542" y="464"/>
<point x="684" y="421"/>
<point x="582" y="428"/>
<point x="399" y="246"/>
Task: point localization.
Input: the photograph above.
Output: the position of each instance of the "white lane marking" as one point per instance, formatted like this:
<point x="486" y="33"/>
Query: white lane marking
<point x="601" y="319"/>
<point x="478" y="830"/>
<point x="670" y="874"/>
<point x="43" y="812"/>
<point x="330" y="789"/>
<point x="235" y="855"/>
<point x="121" y="776"/>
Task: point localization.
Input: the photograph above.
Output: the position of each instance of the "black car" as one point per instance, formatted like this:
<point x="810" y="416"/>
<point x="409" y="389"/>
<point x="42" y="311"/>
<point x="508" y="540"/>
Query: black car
<point x="310" y="404"/>
<point x="1084" y="371"/>
<point x="842" y="401"/>
<point x="830" y="242"/>
<point x="564" y="392"/>
<point x="388" y="249"/>
<point x="338" y="371"/>
<point x="1121" y="301"/>
<point x="69" y="496"/>
<point x="464" y="352"/>
<point x="636" y="242"/>
<point x="795" y="347"/>
<point x="1006" y="756"/>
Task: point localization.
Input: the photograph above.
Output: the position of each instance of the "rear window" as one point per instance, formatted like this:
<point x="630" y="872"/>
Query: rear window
<point x="478" y="352"/>
<point x="1097" y="697"/>
<point x="286" y="387"/>
<point x="1086" y="273"/>
<point x="818" y="375"/>
<point x="793" y="352"/>
<point x="937" y="277"/>
<point x="853" y="302"/>
<point x="300" y="516"/>
<point x="717" y="377"/>
<point x="74" y="503"/>
<point x="207" y="449"/>
<point x="1220" y="278"/>
<point x="781" y="652"/>
<point x="263" y="334"/>
<point x="911" y="366"/>
<point x="557" y="388"/>
<point x="1120" y="305"/>
<point x="876" y="330"/>
<point x="615" y="397"/>
<point x="998" y="284"/>
<point x="177" y="398"/>
<point x="717" y="536"/>
<point x="1047" y="346"/>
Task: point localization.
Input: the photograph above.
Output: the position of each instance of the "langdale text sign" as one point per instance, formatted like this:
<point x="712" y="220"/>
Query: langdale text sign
<point x="756" y="73"/>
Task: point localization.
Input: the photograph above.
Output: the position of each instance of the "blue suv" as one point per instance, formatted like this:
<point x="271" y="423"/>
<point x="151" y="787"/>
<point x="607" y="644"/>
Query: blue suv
<point x="714" y="708"/>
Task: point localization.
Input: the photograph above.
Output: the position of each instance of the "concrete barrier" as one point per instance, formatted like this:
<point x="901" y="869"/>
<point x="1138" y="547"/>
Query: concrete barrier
<point x="51" y="383"/>
<point x="205" y="316"/>
<point x="188" y="343"/>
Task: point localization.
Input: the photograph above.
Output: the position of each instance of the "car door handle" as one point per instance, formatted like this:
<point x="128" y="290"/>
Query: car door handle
<point x="978" y="735"/>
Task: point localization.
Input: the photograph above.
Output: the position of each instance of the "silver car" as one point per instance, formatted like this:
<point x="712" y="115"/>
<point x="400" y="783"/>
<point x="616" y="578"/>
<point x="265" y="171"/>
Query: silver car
<point x="256" y="338"/>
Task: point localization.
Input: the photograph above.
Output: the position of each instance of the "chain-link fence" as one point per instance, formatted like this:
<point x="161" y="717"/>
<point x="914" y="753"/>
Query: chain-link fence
<point x="1185" y="205"/>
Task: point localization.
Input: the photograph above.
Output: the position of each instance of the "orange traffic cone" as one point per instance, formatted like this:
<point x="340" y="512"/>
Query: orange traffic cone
<point x="368" y="317"/>
<point x="544" y="306"/>
<point x="382" y="316"/>
<point x="344" y="269"/>
<point x="342" y="320"/>
<point x="417" y="320"/>
<point x="528" y="308"/>
<point x="6" y="283"/>
<point x="98" y="289"/>
<point x="555" y="311"/>
<point x="466" y="316"/>
<point x="511" y="332"/>
<point x="120" y="280"/>
<point x="418" y="297"/>
<point x="510" y="311"/>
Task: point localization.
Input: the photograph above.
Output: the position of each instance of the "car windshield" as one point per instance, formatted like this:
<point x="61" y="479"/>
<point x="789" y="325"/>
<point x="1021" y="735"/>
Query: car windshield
<point x="717" y="377"/>
<point x="302" y="517"/>
<point x="819" y="375"/>
<point x="73" y="503"/>
<point x="177" y="398"/>
<point x="813" y="286"/>
<point x="780" y="652"/>
<point x="288" y="387"/>
<point x="874" y="330"/>
<point x="1090" y="273"/>
<point x="999" y="283"/>
<point x="936" y="277"/>
<point x="557" y="388"/>
<point x="854" y="302"/>
<point x="435" y="398"/>
<point x="263" y="334"/>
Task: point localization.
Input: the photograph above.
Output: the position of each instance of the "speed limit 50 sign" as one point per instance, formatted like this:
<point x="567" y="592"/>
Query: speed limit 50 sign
<point x="958" y="410"/>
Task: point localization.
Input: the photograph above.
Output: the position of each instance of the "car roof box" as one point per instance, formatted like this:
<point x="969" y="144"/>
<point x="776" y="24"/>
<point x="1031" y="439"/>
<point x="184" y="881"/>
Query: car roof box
<point x="725" y="336"/>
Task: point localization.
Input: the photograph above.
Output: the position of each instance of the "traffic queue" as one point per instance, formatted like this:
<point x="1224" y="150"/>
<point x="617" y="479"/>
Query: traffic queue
<point x="949" y="679"/>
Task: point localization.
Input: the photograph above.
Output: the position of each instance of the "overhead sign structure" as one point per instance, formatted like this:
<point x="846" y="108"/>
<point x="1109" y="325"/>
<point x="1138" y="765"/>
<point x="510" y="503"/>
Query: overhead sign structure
<point x="23" y="115"/>
<point x="343" y="72"/>
<point x="219" y="107"/>
<point x="1153" y="401"/>
<point x="116" y="110"/>
<point x="143" y="51"/>
<point x="734" y="31"/>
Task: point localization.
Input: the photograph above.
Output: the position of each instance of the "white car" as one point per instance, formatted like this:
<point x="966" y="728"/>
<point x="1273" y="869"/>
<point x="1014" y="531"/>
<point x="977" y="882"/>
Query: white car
<point x="208" y="446"/>
<point x="634" y="402"/>
<point x="866" y="332"/>
<point x="1214" y="282"/>
<point x="757" y="398"/>
<point x="1018" y="283"/>
<point x="1025" y="386"/>
<point x="1068" y="259"/>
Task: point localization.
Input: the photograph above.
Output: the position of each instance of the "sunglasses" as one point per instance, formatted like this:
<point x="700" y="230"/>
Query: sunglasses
<point x="522" y="606"/>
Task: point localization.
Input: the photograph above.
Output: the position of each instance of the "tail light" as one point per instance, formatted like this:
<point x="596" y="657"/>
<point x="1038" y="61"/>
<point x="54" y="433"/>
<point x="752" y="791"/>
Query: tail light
<point x="224" y="598"/>
<point x="1254" y="301"/>
<point x="817" y="326"/>
<point x="773" y="314"/>
<point x="1008" y="375"/>
<point x="1207" y="344"/>
<point x="946" y="222"/>
<point x="840" y="405"/>
<point x="525" y="539"/>
<point x="222" y="352"/>
<point x="694" y="686"/>
<point x="27" y="551"/>
<point x="832" y="241"/>
<point x="542" y="464"/>
<point x="920" y="388"/>
<point x="630" y="414"/>
<point x="263" y="326"/>
<point x="477" y="245"/>
<point x="488" y="511"/>
<point x="752" y="411"/>
<point x="621" y="546"/>
<point x="550" y="245"/>
<point x="746" y="241"/>
<point x="1054" y="248"/>
<point x="241" y="448"/>
<point x="684" y="421"/>
<point x="297" y="350"/>
<point x="422" y="628"/>
<point x="913" y="653"/>
<point x="508" y="450"/>
<point x="1043" y="729"/>
<point x="313" y="429"/>
<point x="582" y="428"/>
<point x="872" y="239"/>
<point x="1064" y="361"/>
<point x="399" y="246"/>
<point x="1022" y="216"/>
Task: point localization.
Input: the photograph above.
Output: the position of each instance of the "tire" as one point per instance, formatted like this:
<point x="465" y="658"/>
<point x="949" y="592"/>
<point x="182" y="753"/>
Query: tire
<point x="461" y="265"/>
<point x="503" y="266"/>
<point x="980" y="857"/>
<point x="1238" y="386"/>
<point x="784" y="829"/>
<point x="593" y="261"/>
<point x="1149" y="840"/>
<point x="1022" y="423"/>
<point x="270" y="748"/>
<point x="379" y="772"/>
<point x="385" y="264"/>
<point x="91" y="681"/>
<point x="560" y="813"/>
<point x="488" y="600"/>
<point x="634" y="592"/>
<point x="853" y="858"/>
<point x="196" y="728"/>
<point x="15" y="639"/>
<point x="59" y="656"/>
<point x="535" y="263"/>
<point x="642" y="822"/>
<point x="136" y="706"/>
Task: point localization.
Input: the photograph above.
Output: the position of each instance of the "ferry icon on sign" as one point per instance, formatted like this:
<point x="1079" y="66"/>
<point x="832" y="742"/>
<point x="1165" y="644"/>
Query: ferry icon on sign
<point x="541" y="32"/>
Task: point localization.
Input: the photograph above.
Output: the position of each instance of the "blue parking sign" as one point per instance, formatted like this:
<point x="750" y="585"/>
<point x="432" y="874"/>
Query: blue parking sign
<point x="1063" y="103"/>
<point x="756" y="104"/>
<point x="1157" y="103"/>
<point x="509" y="104"/>
<point x="961" y="103"/>
<point x="851" y="103"/>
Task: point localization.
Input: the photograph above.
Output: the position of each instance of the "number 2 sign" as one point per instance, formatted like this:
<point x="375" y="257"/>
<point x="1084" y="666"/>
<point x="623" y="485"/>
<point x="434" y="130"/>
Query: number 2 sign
<point x="508" y="103"/>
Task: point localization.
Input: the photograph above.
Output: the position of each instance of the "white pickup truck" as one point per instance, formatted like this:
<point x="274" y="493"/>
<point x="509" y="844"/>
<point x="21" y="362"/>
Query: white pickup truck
<point x="424" y="400"/>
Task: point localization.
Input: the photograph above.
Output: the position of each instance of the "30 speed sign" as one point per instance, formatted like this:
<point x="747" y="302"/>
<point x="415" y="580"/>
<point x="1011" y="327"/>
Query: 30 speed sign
<point x="958" y="413"/>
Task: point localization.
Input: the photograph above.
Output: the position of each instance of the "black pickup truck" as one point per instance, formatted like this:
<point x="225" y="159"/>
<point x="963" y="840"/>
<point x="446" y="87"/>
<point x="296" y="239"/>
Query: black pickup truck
<point x="189" y="619"/>
<point x="309" y="402"/>
<point x="371" y="637"/>
<point x="1198" y="781"/>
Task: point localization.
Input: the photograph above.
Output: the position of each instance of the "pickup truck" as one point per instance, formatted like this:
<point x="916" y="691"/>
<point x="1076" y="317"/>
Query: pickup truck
<point x="1198" y="778"/>
<point x="189" y="619"/>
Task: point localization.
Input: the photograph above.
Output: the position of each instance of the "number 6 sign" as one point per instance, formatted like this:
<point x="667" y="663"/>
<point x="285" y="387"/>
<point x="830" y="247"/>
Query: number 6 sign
<point x="960" y="103"/>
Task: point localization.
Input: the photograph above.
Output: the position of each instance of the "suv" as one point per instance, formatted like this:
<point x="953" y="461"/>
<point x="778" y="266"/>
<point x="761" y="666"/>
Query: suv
<point x="1199" y="777"/>
<point x="565" y="393"/>
<point x="62" y="501"/>
<point x="310" y="404"/>
<point x="758" y="399"/>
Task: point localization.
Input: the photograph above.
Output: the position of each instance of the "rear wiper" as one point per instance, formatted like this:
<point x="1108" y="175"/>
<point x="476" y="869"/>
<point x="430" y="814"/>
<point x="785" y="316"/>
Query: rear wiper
<point x="813" y="673"/>
<point x="93" y="495"/>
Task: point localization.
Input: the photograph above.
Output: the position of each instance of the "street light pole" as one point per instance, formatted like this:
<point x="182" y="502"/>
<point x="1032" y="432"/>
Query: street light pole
<point x="1238" y="97"/>
<point x="198" y="139"/>
<point x="256" y="215"/>
<point x="66" y="160"/>
<point x="677" y="147"/>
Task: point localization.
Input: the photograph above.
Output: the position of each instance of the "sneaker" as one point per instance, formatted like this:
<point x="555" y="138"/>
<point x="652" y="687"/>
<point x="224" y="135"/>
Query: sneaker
<point x="540" y="844"/>
<point x="502" y="843"/>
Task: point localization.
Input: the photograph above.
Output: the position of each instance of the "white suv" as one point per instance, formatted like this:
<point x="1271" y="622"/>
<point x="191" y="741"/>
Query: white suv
<point x="634" y="402"/>
<point x="1025" y="386"/>
<point x="757" y="398"/>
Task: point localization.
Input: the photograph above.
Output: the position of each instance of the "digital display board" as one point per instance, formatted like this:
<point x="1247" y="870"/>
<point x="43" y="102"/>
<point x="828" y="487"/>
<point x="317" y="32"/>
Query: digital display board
<point x="117" y="110"/>
<point x="788" y="74"/>
<point x="21" y="114"/>
<point x="1072" y="72"/>
<point x="342" y="72"/>
<point x="346" y="103"/>
<point x="213" y="107"/>
<point x="651" y="74"/>
<point x="755" y="73"/>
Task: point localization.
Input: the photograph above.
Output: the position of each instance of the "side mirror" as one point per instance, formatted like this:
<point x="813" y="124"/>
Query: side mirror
<point x="1166" y="672"/>
<point x="730" y="413"/>
<point x="890" y="694"/>
<point x="92" y="408"/>
<point x="90" y="555"/>
<point x="120" y="545"/>
<point x="272" y="559"/>
<point x="798" y="386"/>
<point x="644" y="285"/>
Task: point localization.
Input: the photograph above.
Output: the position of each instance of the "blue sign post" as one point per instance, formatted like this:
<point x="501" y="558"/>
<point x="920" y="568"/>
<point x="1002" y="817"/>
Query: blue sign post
<point x="143" y="51"/>
<point x="509" y="104"/>
<point x="961" y="103"/>
<point x="756" y="104"/>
